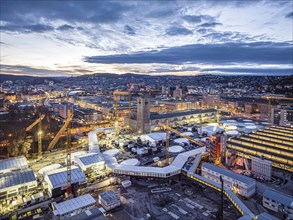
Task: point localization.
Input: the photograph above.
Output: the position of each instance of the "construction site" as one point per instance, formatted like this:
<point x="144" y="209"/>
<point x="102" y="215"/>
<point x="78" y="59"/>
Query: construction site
<point x="193" y="164"/>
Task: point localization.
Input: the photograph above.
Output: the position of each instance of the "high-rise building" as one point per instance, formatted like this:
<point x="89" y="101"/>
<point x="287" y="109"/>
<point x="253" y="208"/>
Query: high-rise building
<point x="143" y="114"/>
<point x="282" y="116"/>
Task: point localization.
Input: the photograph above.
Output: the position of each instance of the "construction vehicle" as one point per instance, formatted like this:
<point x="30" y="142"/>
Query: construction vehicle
<point x="269" y="98"/>
<point x="168" y="128"/>
<point x="116" y="94"/>
<point x="65" y="127"/>
<point x="39" y="122"/>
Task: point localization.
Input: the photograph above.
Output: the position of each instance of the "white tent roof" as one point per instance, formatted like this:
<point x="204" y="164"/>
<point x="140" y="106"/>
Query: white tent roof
<point x="187" y="133"/>
<point x="181" y="140"/>
<point x="73" y="204"/>
<point x="154" y="137"/>
<point x="111" y="152"/>
<point x="48" y="168"/>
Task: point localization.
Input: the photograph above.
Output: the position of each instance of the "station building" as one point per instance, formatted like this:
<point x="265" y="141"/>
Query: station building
<point x="278" y="202"/>
<point x="17" y="183"/>
<point x="240" y="184"/>
<point x="175" y="118"/>
<point x="274" y="144"/>
<point x="57" y="180"/>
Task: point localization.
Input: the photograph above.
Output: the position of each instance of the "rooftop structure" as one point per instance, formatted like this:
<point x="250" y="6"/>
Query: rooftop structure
<point x="11" y="164"/>
<point x="89" y="161"/>
<point x="57" y="179"/>
<point x="109" y="200"/>
<point x="89" y="214"/>
<point x="279" y="197"/>
<point x="278" y="202"/>
<point x="243" y="185"/>
<point x="274" y="144"/>
<point x="73" y="206"/>
<point x="173" y="169"/>
<point x="16" y="183"/>
<point x="266" y="216"/>
<point x="180" y="114"/>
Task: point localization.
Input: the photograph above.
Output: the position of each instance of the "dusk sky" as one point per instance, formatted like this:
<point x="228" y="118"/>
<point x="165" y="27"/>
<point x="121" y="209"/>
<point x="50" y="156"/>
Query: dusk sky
<point x="64" y="38"/>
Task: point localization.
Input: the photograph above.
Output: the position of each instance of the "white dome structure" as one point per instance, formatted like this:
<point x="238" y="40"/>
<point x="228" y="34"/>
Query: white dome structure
<point x="176" y="149"/>
<point x="232" y="133"/>
<point x="130" y="162"/>
<point x="112" y="152"/>
<point x="181" y="141"/>
<point x="230" y="127"/>
<point x="230" y="120"/>
<point x="251" y="127"/>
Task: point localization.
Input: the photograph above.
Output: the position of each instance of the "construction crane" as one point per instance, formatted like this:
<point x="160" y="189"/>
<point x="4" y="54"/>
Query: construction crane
<point x="116" y="94"/>
<point x="168" y="128"/>
<point x="39" y="122"/>
<point x="61" y="131"/>
<point x="65" y="127"/>
<point x="269" y="98"/>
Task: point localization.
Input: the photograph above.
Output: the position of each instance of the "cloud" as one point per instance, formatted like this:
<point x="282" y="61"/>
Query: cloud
<point x="129" y="30"/>
<point x="73" y="11"/>
<point x="178" y="30"/>
<point x="36" y="28"/>
<point x="225" y="53"/>
<point x="210" y="24"/>
<point x="289" y="15"/>
<point x="26" y="70"/>
<point x="268" y="71"/>
<point x="197" y="18"/>
<point x="65" y="27"/>
<point x="33" y="71"/>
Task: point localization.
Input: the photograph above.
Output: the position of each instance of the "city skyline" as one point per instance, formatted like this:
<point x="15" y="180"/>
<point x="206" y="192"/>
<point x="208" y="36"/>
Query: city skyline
<point x="51" y="38"/>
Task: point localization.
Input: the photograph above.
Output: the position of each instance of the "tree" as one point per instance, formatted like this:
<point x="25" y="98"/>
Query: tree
<point x="13" y="150"/>
<point x="26" y="146"/>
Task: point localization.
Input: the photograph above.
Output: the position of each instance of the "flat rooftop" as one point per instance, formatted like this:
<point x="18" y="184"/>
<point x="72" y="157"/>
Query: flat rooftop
<point x="13" y="164"/>
<point x="109" y="196"/>
<point x="228" y="173"/>
<point x="279" y="197"/>
<point x="16" y="178"/>
<point x="73" y="204"/>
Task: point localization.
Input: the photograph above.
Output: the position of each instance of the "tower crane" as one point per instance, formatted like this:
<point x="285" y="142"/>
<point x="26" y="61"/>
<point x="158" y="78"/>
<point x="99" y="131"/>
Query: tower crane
<point x="116" y="94"/>
<point x="65" y="126"/>
<point x="269" y="98"/>
<point x="168" y="128"/>
<point x="39" y="122"/>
